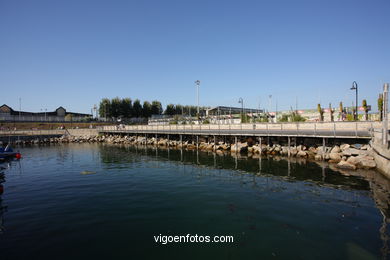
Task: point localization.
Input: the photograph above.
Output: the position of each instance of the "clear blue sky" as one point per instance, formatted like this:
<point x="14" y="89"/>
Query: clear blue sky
<point x="72" y="53"/>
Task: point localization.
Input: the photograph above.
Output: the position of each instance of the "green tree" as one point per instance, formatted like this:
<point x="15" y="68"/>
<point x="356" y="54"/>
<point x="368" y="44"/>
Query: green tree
<point x="331" y="111"/>
<point x="126" y="108"/>
<point x="137" y="108"/>
<point x="179" y="110"/>
<point x="156" y="108"/>
<point x="365" y="107"/>
<point x="321" y="112"/>
<point x="105" y="108"/>
<point x="147" y="109"/>
<point x="170" y="110"/>
<point x="380" y="106"/>
<point x="341" y="109"/>
<point x="115" y="107"/>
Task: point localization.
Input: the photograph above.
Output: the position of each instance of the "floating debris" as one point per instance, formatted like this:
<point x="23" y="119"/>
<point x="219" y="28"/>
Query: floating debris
<point x="87" y="172"/>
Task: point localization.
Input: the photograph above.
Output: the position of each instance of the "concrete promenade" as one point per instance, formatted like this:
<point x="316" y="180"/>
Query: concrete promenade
<point x="357" y="130"/>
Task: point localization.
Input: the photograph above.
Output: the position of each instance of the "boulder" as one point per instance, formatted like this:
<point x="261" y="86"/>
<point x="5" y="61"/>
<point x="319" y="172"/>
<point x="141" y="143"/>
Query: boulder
<point x="301" y="154"/>
<point x="344" y="146"/>
<point x="353" y="160"/>
<point x="336" y="157"/>
<point x="284" y="150"/>
<point x="346" y="165"/>
<point x="351" y="151"/>
<point x="293" y="151"/>
<point x="335" y="149"/>
<point x="366" y="163"/>
<point x="278" y="149"/>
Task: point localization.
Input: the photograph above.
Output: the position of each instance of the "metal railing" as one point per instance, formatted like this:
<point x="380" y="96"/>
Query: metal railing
<point x="31" y="132"/>
<point x="311" y="129"/>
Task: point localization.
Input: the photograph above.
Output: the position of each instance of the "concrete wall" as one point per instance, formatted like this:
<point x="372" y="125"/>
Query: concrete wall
<point x="381" y="153"/>
<point x="83" y="132"/>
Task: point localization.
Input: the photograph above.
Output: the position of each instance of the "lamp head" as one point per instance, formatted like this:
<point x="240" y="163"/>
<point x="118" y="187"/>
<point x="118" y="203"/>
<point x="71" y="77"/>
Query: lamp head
<point x="354" y="85"/>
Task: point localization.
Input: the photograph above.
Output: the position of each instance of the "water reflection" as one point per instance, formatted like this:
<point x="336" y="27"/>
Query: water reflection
<point x="293" y="169"/>
<point x="268" y="174"/>
<point x="3" y="208"/>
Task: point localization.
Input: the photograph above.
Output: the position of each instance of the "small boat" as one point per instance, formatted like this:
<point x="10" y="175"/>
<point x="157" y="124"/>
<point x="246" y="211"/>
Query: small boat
<point x="7" y="152"/>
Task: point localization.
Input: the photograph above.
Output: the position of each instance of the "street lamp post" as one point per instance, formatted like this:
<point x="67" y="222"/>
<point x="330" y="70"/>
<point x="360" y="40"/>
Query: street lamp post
<point x="240" y="100"/>
<point x="355" y="87"/>
<point x="197" y="83"/>
<point x="20" y="107"/>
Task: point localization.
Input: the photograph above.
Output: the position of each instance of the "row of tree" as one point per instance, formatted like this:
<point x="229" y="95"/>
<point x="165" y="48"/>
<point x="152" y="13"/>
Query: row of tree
<point x="172" y="110"/>
<point x="343" y="110"/>
<point x="126" y="108"/>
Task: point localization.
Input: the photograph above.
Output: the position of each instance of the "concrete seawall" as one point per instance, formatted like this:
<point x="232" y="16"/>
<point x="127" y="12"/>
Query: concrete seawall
<point x="39" y="135"/>
<point x="381" y="154"/>
<point x="83" y="132"/>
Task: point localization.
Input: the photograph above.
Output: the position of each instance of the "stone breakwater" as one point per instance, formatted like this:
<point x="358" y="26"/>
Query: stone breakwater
<point x="344" y="156"/>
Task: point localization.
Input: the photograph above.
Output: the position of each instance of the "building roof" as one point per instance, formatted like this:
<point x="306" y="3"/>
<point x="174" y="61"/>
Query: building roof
<point x="7" y="109"/>
<point x="235" y="109"/>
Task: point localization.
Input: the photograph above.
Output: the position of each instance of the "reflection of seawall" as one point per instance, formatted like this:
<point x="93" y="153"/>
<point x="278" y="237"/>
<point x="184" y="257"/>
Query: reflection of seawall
<point x="282" y="168"/>
<point x="293" y="169"/>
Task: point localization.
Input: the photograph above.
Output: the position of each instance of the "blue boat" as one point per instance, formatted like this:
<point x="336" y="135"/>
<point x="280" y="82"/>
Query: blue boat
<point x="8" y="152"/>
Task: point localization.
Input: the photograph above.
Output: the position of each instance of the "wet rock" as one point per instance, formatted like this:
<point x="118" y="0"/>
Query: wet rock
<point x="346" y="165"/>
<point x="351" y="151"/>
<point x="335" y="149"/>
<point x="336" y="157"/>
<point x="344" y="146"/>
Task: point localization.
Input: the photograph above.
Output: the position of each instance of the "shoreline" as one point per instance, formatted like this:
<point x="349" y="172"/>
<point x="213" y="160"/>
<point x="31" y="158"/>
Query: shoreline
<point x="342" y="157"/>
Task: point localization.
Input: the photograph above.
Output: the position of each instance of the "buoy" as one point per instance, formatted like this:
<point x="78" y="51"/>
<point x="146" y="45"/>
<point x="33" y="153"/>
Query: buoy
<point x="18" y="156"/>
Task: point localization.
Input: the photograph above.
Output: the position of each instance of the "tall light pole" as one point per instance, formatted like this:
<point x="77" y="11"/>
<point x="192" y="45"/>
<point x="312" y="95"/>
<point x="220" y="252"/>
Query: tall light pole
<point x="240" y="100"/>
<point x="270" y="103"/>
<point x="20" y="107"/>
<point x="355" y="87"/>
<point x="197" y="83"/>
<point x="385" y="112"/>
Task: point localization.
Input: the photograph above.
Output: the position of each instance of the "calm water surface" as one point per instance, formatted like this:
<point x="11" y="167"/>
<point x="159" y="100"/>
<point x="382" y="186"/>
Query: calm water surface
<point x="274" y="209"/>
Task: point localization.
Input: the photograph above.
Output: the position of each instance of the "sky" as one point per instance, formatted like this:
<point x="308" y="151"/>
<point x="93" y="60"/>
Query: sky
<point x="73" y="53"/>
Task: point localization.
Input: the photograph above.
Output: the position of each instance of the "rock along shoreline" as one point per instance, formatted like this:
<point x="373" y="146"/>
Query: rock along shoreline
<point x="344" y="156"/>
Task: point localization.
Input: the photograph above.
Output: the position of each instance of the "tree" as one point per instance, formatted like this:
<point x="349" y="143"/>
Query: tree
<point x="365" y="107"/>
<point x="380" y="106"/>
<point x="156" y="108"/>
<point x="105" y="108"/>
<point x="137" y="108"/>
<point x="341" y="110"/>
<point x="321" y="111"/>
<point x="331" y="111"/>
<point x="115" y="107"/>
<point x="170" y="110"/>
<point x="126" y="108"/>
<point x="179" y="110"/>
<point x="146" y="109"/>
